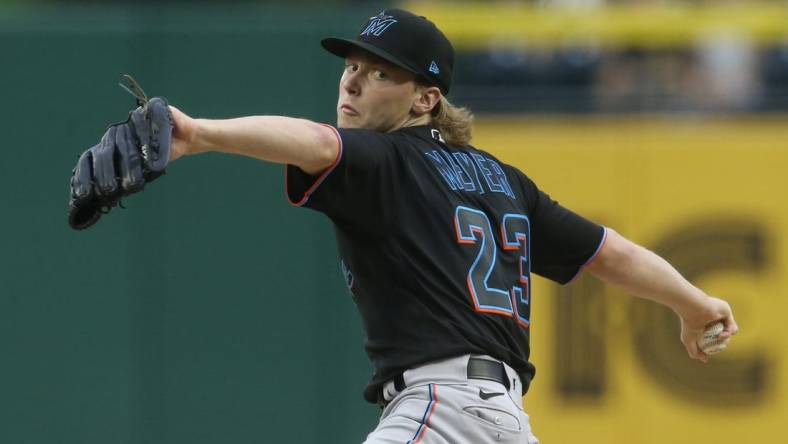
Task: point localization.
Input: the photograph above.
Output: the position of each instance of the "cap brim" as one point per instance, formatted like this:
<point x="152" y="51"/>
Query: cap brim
<point x="342" y="47"/>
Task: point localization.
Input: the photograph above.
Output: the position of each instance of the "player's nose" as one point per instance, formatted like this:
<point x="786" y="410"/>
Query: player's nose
<point x="351" y="84"/>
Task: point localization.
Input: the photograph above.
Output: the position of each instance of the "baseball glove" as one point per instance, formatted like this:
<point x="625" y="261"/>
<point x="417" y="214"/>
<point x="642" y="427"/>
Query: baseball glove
<point x="129" y="155"/>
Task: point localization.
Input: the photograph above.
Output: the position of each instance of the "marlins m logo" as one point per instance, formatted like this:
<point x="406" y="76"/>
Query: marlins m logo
<point x="378" y="24"/>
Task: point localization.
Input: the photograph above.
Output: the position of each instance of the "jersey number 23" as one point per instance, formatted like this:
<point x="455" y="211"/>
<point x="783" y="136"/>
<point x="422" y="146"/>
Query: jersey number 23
<point x="508" y="296"/>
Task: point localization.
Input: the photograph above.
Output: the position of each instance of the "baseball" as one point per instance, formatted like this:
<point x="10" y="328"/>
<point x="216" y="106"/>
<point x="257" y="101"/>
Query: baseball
<point x="709" y="343"/>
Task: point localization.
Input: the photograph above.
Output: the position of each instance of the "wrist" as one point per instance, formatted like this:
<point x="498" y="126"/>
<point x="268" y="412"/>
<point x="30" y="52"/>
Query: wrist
<point x="694" y="305"/>
<point x="201" y="140"/>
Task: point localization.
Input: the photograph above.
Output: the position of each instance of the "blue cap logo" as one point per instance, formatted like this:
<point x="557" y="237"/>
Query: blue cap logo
<point x="378" y="24"/>
<point x="434" y="68"/>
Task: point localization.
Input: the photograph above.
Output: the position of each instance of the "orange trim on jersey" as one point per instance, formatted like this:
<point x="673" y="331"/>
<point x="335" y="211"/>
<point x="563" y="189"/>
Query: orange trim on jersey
<point x="516" y="313"/>
<point x="473" y="229"/>
<point x="490" y="310"/>
<point x="472" y="293"/>
<point x="322" y="176"/>
<point x="476" y="306"/>
<point x="521" y="238"/>
<point x="468" y="280"/>
<point x="503" y="241"/>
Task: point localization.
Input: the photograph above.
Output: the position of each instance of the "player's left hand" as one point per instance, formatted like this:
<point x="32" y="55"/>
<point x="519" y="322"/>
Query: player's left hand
<point x="693" y="324"/>
<point x="129" y="155"/>
<point x="183" y="133"/>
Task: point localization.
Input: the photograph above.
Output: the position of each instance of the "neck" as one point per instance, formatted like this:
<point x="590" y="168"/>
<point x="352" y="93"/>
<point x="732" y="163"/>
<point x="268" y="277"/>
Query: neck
<point x="412" y="120"/>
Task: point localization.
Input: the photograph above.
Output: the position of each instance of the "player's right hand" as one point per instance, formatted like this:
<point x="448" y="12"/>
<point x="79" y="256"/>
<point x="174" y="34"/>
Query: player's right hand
<point x="693" y="324"/>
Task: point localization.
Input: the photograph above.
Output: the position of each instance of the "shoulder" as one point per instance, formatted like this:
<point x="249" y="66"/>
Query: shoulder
<point x="507" y="167"/>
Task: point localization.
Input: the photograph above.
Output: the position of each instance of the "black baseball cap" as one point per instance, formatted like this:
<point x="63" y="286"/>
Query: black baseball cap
<point x="405" y="39"/>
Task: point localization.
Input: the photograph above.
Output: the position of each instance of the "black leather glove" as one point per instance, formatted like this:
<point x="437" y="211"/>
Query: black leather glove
<point x="129" y="155"/>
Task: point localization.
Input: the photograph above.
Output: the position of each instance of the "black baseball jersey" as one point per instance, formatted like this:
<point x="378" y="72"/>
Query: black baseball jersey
<point x="437" y="244"/>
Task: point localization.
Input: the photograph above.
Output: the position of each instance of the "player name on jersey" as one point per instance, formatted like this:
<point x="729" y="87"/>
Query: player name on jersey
<point x="463" y="171"/>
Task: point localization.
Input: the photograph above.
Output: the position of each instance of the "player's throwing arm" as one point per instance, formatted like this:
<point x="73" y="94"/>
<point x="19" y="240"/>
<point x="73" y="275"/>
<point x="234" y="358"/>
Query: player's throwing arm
<point x="644" y="274"/>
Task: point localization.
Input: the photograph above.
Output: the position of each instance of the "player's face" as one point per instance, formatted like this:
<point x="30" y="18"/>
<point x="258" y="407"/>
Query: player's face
<point x="375" y="94"/>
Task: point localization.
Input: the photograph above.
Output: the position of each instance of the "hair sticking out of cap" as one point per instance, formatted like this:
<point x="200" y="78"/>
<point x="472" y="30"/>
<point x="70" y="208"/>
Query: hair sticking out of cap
<point x="454" y="122"/>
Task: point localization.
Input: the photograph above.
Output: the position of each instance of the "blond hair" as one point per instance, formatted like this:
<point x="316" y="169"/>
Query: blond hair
<point x="454" y="122"/>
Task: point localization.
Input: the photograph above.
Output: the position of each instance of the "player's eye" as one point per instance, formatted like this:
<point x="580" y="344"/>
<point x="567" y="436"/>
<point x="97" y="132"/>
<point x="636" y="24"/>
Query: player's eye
<point x="351" y="67"/>
<point x="379" y="75"/>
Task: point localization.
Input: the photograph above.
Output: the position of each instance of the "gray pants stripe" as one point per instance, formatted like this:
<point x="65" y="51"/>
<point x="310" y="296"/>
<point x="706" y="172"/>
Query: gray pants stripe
<point x="427" y="413"/>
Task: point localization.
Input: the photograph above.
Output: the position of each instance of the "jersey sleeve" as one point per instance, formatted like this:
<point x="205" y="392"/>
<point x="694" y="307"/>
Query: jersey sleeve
<point x="357" y="189"/>
<point x="562" y="242"/>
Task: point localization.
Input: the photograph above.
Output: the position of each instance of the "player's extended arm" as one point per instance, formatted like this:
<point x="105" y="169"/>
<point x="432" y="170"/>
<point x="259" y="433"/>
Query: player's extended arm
<point x="308" y="145"/>
<point x="643" y="273"/>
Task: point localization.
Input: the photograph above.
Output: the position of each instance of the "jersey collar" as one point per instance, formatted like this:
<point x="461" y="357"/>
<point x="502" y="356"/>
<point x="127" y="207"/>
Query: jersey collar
<point x="428" y="132"/>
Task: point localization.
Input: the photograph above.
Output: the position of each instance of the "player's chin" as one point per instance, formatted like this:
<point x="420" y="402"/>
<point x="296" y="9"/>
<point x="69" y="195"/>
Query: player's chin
<point x="344" y="121"/>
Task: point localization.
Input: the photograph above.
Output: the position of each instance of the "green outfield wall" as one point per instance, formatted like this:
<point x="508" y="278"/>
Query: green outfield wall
<point x="210" y="310"/>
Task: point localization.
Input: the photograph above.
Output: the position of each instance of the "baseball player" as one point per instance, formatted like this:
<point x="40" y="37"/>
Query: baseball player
<point x="438" y="239"/>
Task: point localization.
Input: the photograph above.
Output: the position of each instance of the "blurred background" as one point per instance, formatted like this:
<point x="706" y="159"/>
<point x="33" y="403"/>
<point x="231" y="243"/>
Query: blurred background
<point x="212" y="311"/>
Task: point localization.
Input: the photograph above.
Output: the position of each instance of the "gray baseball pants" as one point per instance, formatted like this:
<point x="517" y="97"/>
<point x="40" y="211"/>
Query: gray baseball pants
<point x="441" y="405"/>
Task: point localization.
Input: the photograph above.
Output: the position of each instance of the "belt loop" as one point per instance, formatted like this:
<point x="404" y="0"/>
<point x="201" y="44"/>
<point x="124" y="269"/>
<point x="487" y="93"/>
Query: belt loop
<point x="399" y="382"/>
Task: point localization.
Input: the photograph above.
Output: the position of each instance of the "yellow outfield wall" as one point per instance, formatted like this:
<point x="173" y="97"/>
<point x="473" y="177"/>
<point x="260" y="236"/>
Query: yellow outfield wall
<point x="475" y="25"/>
<point x="709" y="195"/>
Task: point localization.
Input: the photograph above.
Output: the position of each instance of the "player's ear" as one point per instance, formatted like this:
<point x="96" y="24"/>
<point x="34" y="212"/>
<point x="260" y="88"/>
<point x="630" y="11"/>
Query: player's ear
<point x="427" y="98"/>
